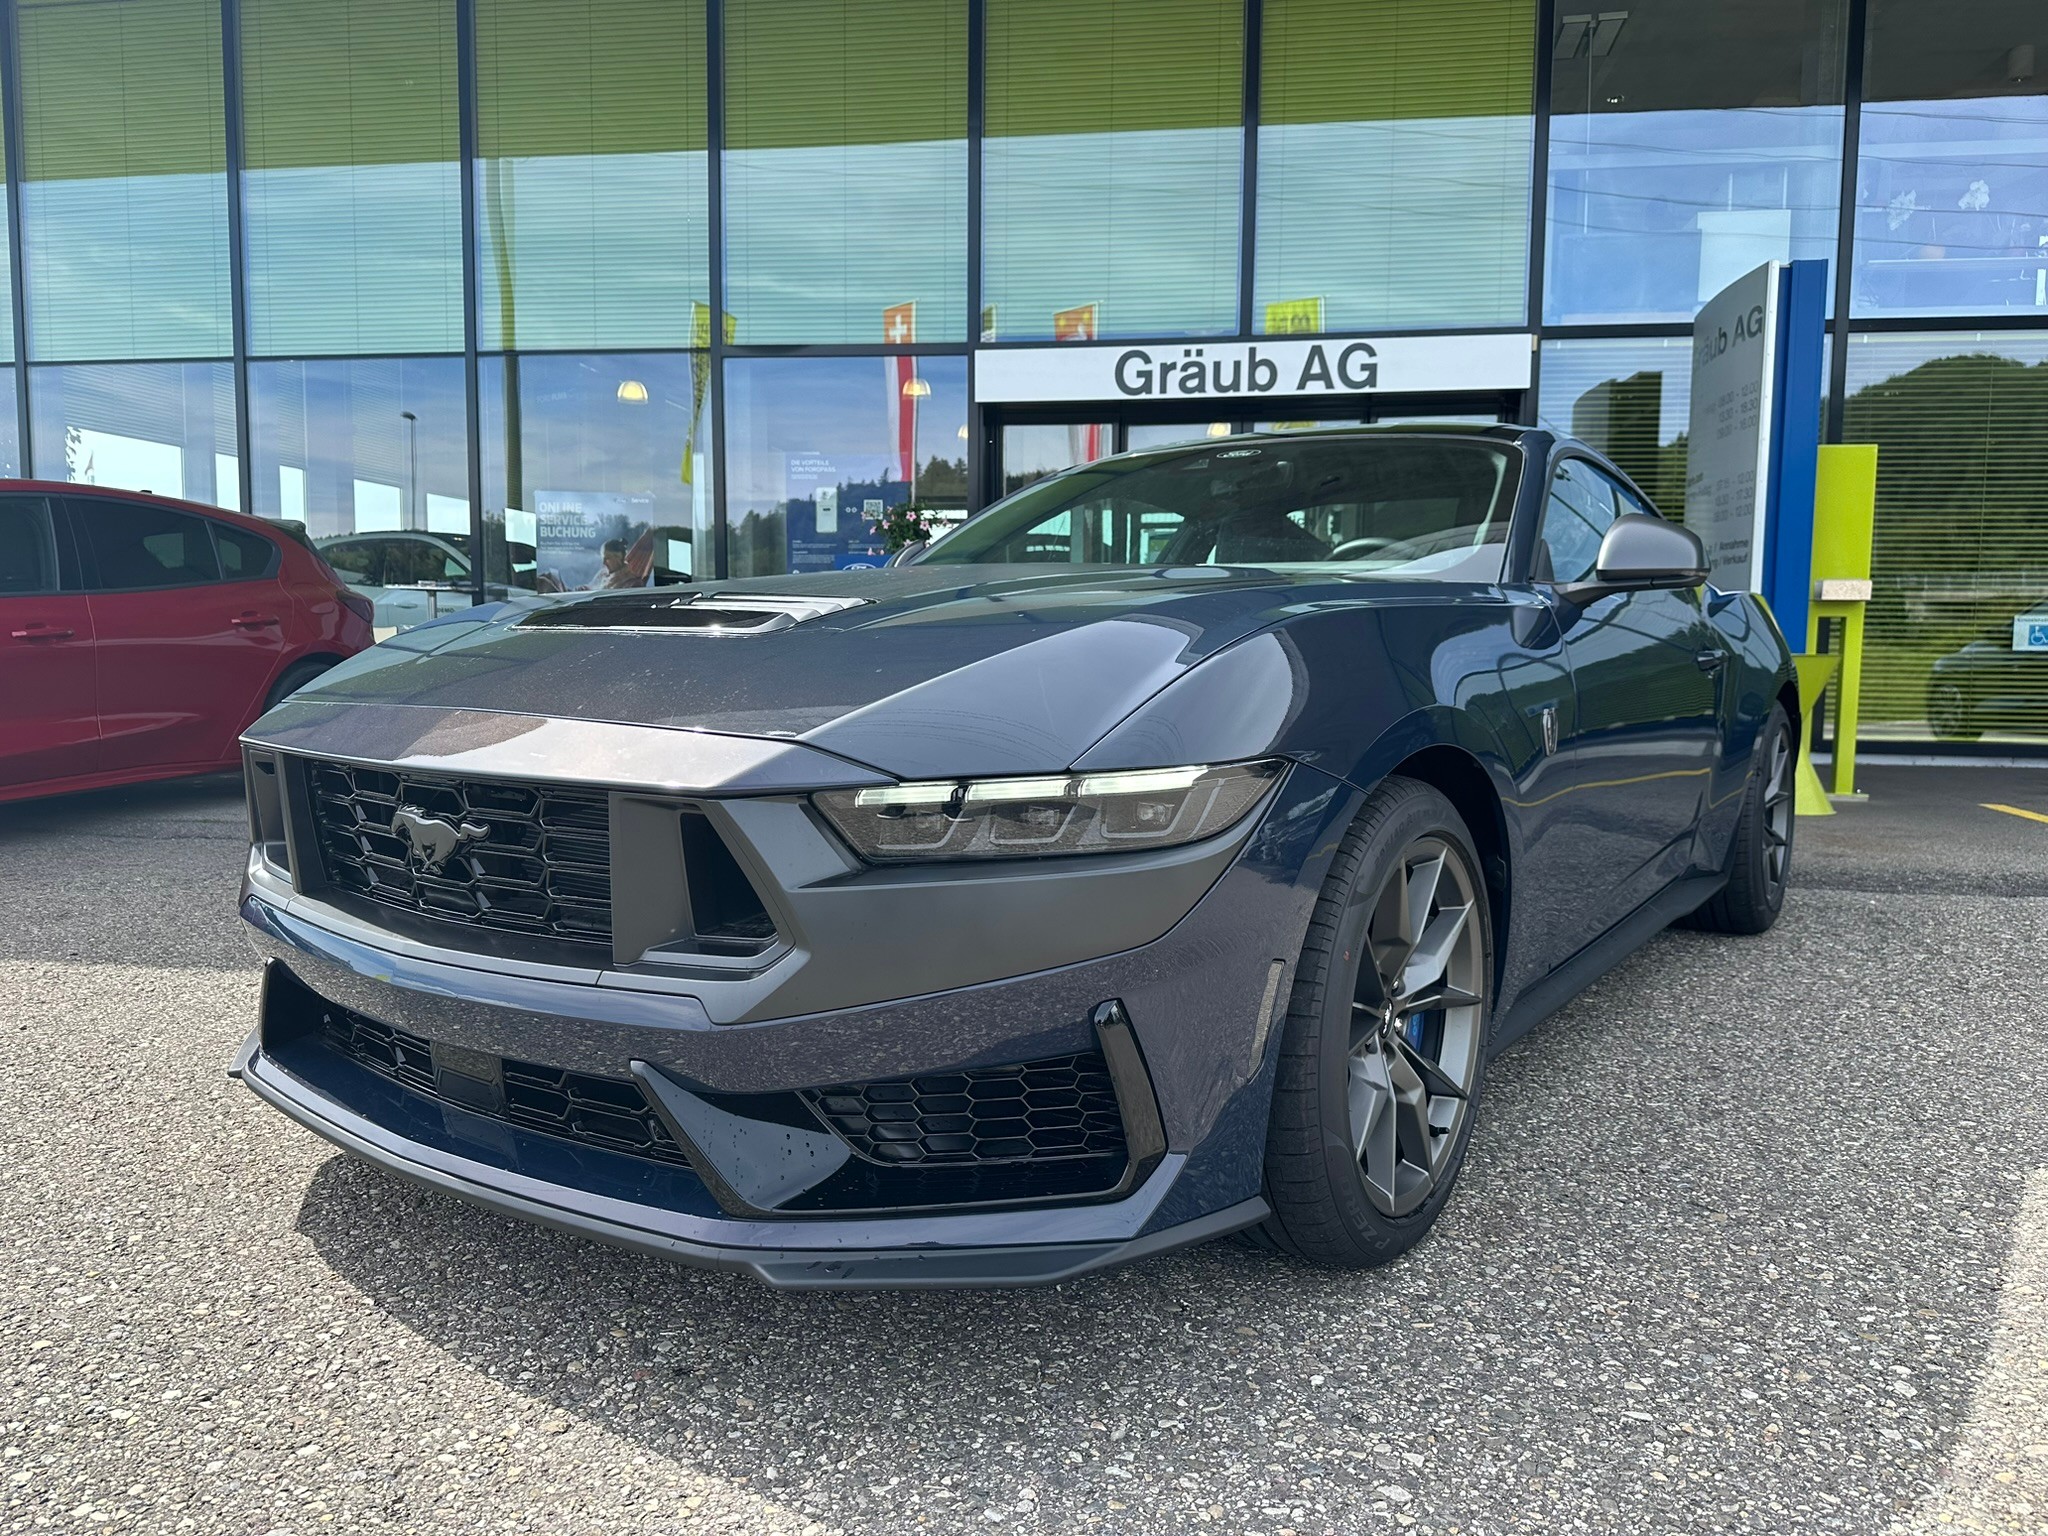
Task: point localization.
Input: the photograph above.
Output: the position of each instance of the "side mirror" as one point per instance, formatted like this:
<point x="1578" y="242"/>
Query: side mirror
<point x="1641" y="554"/>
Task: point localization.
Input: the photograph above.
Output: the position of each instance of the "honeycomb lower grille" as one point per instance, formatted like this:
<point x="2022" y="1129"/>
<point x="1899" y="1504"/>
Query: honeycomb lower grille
<point x="606" y="1112"/>
<point x="513" y="858"/>
<point x="1043" y="1111"/>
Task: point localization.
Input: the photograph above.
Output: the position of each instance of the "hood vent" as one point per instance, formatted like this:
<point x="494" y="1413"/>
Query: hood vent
<point x="704" y="613"/>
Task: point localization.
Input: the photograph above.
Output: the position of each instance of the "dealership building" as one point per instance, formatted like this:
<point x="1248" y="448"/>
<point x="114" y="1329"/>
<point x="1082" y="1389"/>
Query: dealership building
<point x="473" y="288"/>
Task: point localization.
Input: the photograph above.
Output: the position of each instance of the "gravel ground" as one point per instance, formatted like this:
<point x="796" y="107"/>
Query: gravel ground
<point x="1754" y="1237"/>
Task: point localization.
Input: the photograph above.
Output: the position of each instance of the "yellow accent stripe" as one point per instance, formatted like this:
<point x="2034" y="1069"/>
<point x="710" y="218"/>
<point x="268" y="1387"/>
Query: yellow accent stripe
<point x="2013" y="810"/>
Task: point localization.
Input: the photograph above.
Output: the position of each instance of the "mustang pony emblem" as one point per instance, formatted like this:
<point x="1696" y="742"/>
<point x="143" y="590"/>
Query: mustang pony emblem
<point x="431" y="839"/>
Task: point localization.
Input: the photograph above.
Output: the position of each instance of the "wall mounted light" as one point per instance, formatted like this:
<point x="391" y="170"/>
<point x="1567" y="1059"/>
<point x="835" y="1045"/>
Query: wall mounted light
<point x="916" y="388"/>
<point x="633" y="392"/>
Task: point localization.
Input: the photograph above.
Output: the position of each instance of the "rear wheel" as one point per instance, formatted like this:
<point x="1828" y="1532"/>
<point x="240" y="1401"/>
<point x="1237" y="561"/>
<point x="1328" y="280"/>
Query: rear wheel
<point x="295" y="677"/>
<point x="1385" y="1040"/>
<point x="1762" y="861"/>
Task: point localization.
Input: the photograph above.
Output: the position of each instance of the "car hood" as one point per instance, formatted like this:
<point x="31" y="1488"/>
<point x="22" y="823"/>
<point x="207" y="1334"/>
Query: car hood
<point x="925" y="671"/>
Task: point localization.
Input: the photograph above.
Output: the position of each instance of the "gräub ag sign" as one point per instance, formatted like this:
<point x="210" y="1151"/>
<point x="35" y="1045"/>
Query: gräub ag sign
<point x="1276" y="366"/>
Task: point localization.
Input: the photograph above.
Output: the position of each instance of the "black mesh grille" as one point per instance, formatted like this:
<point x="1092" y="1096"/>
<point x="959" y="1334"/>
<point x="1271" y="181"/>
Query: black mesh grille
<point x="1042" y="1111"/>
<point x="515" y="858"/>
<point x="608" y="1112"/>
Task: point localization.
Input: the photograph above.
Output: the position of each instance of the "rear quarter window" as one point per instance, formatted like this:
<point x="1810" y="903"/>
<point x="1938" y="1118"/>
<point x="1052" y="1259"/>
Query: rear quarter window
<point x="244" y="556"/>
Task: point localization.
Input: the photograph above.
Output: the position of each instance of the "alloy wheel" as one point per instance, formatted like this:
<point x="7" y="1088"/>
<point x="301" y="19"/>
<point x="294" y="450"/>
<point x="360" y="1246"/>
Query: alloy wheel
<point x="1416" y="1017"/>
<point x="1778" y="810"/>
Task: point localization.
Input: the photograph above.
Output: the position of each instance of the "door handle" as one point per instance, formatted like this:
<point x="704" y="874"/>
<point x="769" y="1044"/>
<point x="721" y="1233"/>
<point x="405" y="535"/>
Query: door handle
<point x="1710" y="661"/>
<point x="43" y="632"/>
<point x="253" y="621"/>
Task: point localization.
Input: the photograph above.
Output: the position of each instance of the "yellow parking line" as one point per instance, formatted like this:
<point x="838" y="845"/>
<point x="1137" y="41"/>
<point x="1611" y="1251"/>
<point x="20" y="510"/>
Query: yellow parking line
<point x="2013" y="810"/>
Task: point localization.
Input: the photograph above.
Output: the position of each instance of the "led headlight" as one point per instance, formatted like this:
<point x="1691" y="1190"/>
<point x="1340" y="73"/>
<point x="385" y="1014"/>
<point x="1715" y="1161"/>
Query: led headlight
<point x="1045" y="815"/>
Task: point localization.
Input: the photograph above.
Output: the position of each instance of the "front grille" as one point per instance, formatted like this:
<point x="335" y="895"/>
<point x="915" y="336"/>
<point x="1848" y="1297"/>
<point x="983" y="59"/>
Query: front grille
<point x="514" y="858"/>
<point x="1043" y="1111"/>
<point x="607" y="1112"/>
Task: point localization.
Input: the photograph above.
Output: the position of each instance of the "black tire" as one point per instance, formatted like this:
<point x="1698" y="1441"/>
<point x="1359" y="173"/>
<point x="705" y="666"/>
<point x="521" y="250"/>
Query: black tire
<point x="294" y="678"/>
<point x="1316" y="1176"/>
<point x="1949" y="714"/>
<point x="1761" y="865"/>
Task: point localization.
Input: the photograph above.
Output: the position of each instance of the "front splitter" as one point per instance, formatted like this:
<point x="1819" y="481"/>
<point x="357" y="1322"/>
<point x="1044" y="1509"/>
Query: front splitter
<point x="898" y="1268"/>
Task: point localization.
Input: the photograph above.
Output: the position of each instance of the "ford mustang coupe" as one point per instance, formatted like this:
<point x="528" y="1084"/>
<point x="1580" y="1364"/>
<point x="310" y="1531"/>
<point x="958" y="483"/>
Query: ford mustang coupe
<point x="1161" y="853"/>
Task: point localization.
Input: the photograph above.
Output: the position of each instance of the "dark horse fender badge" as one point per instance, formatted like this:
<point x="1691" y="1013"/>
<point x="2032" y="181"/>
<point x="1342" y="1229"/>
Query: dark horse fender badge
<point x="433" y="841"/>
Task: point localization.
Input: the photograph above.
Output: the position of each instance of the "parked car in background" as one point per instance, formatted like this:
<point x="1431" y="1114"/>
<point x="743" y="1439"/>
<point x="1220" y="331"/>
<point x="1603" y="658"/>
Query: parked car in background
<point x="408" y="576"/>
<point x="139" y="636"/>
<point x="411" y="576"/>
<point x="1996" y="683"/>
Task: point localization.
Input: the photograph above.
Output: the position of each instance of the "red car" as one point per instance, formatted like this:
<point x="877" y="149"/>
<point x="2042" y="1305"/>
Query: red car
<point x="139" y="636"/>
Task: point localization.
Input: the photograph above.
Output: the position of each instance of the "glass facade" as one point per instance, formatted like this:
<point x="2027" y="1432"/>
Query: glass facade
<point x="846" y="205"/>
<point x="352" y="206"/>
<point x="1689" y="144"/>
<point x="816" y="447"/>
<point x="1112" y="168"/>
<point x="552" y="294"/>
<point x="1394" y="164"/>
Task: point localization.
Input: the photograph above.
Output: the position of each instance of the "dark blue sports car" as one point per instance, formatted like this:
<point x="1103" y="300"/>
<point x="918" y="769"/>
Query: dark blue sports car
<point x="1160" y="854"/>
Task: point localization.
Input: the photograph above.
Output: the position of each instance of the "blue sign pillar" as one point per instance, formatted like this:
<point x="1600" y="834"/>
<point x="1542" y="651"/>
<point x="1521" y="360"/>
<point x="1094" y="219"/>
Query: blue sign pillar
<point x="1794" y="446"/>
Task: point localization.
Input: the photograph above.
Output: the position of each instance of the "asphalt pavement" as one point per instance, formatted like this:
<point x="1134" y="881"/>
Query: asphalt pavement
<point x="1753" y="1237"/>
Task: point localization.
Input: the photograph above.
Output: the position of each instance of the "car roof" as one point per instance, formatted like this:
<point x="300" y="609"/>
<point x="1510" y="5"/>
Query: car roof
<point x="149" y="498"/>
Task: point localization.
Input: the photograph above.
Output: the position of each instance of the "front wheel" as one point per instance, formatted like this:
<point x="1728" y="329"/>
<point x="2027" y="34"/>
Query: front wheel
<point x="1385" y="1041"/>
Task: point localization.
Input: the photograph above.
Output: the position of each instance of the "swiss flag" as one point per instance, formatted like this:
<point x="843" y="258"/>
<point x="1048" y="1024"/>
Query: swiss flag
<point x="899" y="329"/>
<point x="1078" y="324"/>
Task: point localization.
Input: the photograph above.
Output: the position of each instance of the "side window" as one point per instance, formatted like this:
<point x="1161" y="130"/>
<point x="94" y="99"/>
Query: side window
<point x="244" y="556"/>
<point x="354" y="561"/>
<point x="1576" y="517"/>
<point x="28" y="547"/>
<point x="135" y="544"/>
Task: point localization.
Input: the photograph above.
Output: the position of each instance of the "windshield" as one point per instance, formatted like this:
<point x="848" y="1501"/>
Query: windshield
<point x="1410" y="505"/>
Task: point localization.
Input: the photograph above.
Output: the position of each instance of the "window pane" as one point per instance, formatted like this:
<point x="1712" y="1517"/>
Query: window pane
<point x="137" y="545"/>
<point x="591" y="193"/>
<point x="243" y="555"/>
<point x="1112" y="167"/>
<point x="1576" y="517"/>
<point x="1033" y="450"/>
<point x="371" y="447"/>
<point x="10" y="429"/>
<point x="124" y="210"/>
<point x="354" y="210"/>
<point x="817" y="446"/>
<point x="1689" y="144"/>
<point x="597" y="470"/>
<point x="1632" y="400"/>
<point x="1952" y="172"/>
<point x="1960" y="569"/>
<point x="28" y="547"/>
<point x="846" y="170"/>
<point x="1394" y="154"/>
<point x="160" y="427"/>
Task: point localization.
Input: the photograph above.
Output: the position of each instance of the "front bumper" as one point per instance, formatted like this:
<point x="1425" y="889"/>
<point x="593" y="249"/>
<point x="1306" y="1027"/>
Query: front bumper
<point x="1200" y="1003"/>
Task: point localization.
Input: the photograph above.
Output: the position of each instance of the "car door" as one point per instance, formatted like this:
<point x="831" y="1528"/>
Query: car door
<point x="184" y="656"/>
<point x="1645" y="734"/>
<point x="49" y="704"/>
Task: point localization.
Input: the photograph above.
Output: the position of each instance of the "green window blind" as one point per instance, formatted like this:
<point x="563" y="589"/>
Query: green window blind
<point x="1959" y="571"/>
<point x="1395" y="147"/>
<point x="846" y="170"/>
<point x="1113" y="166"/>
<point x="592" y="205"/>
<point x="354" y="209"/>
<point x="124" y="202"/>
